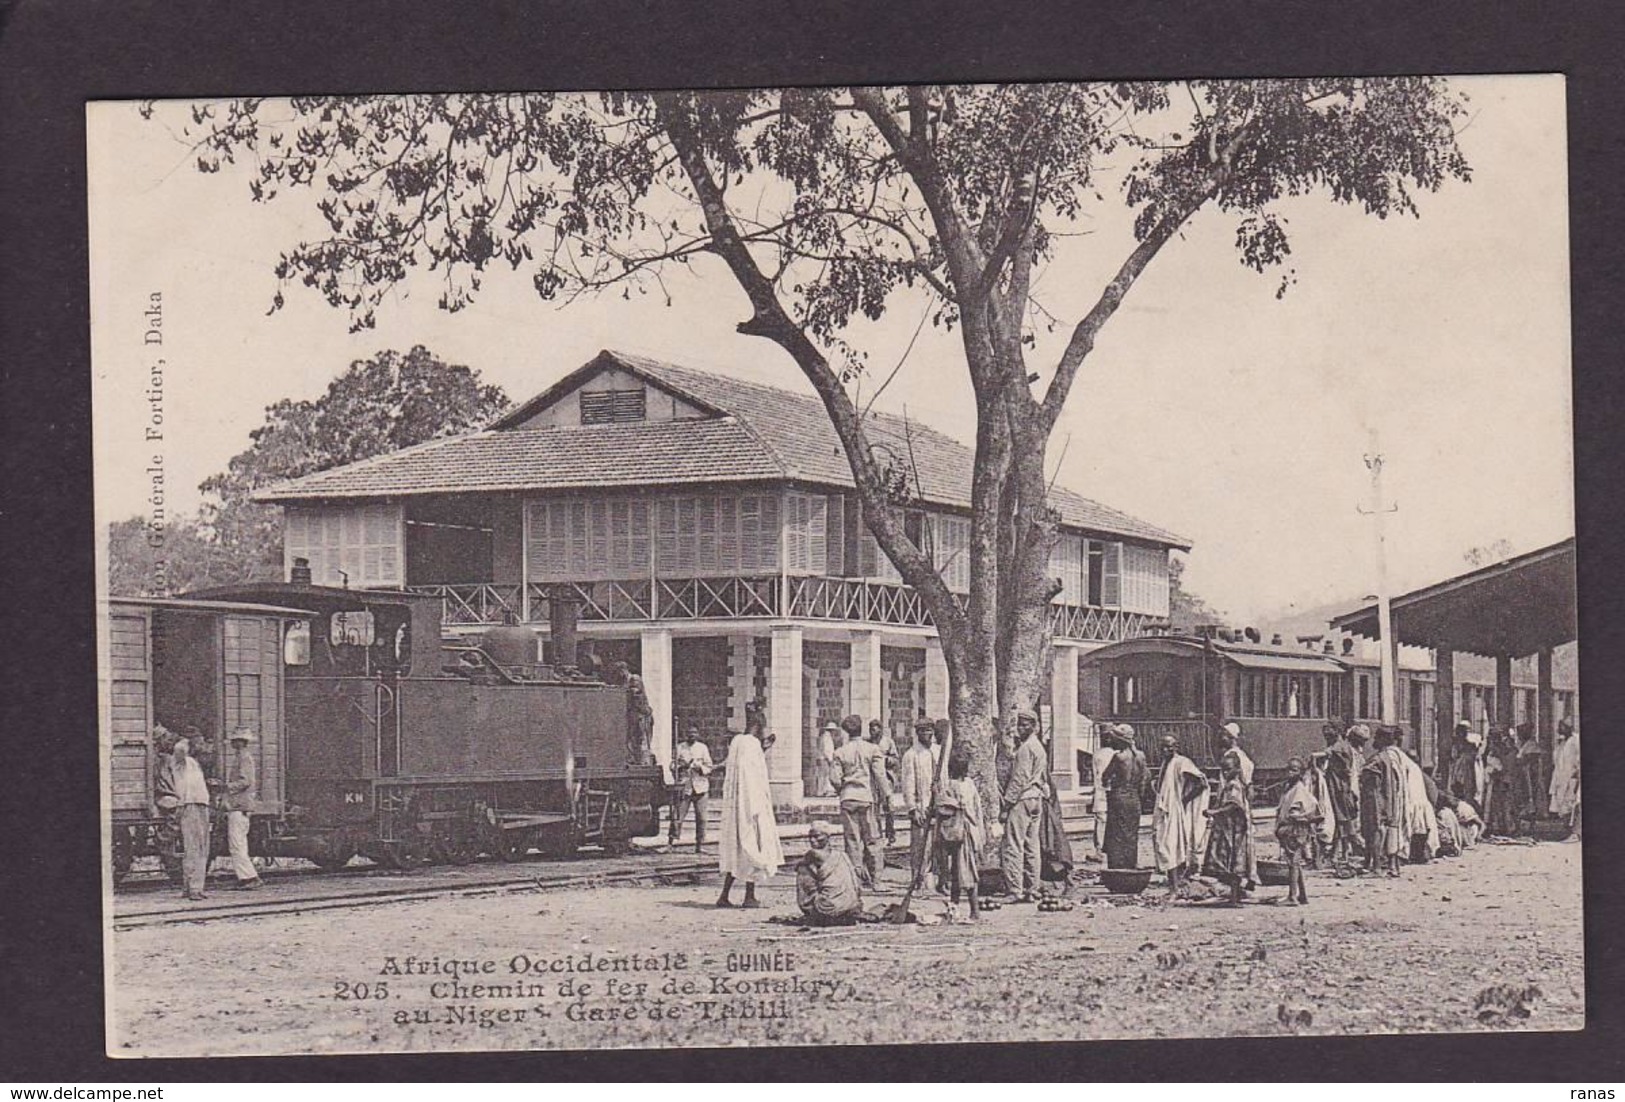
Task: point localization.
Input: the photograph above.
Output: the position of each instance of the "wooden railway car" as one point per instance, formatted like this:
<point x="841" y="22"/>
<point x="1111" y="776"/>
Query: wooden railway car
<point x="1281" y="697"/>
<point x="408" y="751"/>
<point x="175" y="664"/>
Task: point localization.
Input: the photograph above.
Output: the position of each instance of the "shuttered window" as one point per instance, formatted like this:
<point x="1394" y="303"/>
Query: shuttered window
<point x="1145" y="580"/>
<point x="694" y="535"/>
<point x="952" y="548"/>
<point x="1066" y="562"/>
<point x="605" y="407"/>
<point x="359" y="546"/>
<point x="806" y="533"/>
<point x="1111" y="575"/>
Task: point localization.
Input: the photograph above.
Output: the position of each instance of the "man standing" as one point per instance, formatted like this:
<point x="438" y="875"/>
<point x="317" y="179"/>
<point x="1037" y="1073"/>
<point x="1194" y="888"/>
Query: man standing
<point x="1023" y="807"/>
<point x="1101" y="758"/>
<point x="1466" y="777"/>
<point x="240" y="801"/>
<point x="692" y="766"/>
<point x="828" y="736"/>
<point x="1124" y="778"/>
<point x="1382" y="806"/>
<point x="1230" y="736"/>
<point x="183" y="789"/>
<point x="1420" y="821"/>
<point x="860" y="783"/>
<point x="918" y="773"/>
<point x="1178" y="825"/>
<point x="891" y="761"/>
<point x="640" y="715"/>
<point x="826" y="883"/>
<point x="1565" y="786"/>
<point x="749" y="847"/>
<point x="1342" y="789"/>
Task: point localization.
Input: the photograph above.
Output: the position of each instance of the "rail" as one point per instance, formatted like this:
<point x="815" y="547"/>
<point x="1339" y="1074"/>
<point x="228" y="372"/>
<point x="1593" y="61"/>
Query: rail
<point x="743" y="597"/>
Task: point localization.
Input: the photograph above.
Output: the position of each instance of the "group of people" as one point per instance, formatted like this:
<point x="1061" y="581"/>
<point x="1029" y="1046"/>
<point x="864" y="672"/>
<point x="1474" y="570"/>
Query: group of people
<point x="928" y="784"/>
<point x="1341" y="803"/>
<point x="186" y="794"/>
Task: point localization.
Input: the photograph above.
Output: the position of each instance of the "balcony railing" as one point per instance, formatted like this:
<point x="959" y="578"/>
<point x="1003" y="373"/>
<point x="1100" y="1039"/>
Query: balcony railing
<point x="745" y="598"/>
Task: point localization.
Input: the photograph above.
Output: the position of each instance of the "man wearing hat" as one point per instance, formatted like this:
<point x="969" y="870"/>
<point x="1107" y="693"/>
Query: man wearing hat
<point x="1023" y="809"/>
<point x="1466" y="778"/>
<point x="240" y="800"/>
<point x="859" y="776"/>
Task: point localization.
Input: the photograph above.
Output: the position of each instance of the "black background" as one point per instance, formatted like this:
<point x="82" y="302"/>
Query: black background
<point x="56" y="56"/>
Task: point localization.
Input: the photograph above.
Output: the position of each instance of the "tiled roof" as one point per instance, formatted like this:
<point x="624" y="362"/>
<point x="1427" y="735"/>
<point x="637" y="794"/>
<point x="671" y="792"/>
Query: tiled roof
<point x="765" y="434"/>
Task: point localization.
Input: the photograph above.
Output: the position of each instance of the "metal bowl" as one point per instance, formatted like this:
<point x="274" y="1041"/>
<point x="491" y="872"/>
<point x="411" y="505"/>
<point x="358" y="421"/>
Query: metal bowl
<point x="1126" y="881"/>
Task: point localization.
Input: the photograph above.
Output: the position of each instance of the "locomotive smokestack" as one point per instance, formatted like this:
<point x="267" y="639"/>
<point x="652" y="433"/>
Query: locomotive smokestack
<point x="299" y="574"/>
<point x="563" y="610"/>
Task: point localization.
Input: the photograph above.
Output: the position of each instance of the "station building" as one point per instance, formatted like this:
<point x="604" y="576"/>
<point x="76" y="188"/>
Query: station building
<point x="710" y="533"/>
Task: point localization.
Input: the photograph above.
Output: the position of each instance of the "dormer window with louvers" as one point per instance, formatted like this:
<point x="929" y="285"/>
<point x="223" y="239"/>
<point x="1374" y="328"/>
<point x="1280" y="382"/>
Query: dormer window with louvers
<point x="612" y="407"/>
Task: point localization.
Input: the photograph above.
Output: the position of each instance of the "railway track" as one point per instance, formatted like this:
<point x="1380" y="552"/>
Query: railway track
<point x="345" y="889"/>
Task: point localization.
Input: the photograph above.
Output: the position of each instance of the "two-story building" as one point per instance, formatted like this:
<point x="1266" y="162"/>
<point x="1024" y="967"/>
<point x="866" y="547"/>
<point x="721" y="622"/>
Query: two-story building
<point x="710" y="530"/>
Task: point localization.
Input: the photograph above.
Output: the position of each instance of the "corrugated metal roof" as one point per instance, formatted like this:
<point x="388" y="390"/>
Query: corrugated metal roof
<point x="765" y="433"/>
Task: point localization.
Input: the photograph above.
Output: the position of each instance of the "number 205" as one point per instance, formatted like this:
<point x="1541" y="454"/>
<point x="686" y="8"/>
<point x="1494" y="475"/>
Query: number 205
<point x="345" y="991"/>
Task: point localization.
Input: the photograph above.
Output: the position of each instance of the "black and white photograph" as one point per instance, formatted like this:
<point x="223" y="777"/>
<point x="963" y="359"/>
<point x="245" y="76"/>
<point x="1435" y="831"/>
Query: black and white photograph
<point x="840" y="565"/>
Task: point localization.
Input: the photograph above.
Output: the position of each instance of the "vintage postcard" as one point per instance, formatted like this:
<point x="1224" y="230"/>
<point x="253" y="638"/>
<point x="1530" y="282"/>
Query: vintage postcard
<point x="836" y="565"/>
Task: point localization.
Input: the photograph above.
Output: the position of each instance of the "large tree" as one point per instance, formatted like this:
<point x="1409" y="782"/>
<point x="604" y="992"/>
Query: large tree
<point x="824" y="205"/>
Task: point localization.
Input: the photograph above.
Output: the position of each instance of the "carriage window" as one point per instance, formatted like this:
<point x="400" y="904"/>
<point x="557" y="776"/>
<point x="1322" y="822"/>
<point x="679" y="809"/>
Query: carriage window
<point x="353" y="629"/>
<point x="296" y="645"/>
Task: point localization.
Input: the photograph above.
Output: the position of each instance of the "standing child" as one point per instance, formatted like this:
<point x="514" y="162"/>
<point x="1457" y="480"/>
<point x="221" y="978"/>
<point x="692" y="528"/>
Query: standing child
<point x="1296" y="822"/>
<point x="959" y="834"/>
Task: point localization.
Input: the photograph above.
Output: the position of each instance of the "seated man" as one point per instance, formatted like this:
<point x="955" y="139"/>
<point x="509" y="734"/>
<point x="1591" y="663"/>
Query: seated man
<point x="826" y="883"/>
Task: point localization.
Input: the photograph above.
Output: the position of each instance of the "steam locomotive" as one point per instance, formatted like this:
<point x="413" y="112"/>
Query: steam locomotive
<point x="373" y="737"/>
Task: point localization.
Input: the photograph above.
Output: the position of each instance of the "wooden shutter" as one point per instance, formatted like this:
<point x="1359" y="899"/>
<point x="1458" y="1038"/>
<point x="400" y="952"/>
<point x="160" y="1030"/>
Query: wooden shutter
<point x="728" y="551"/>
<point x="706" y="555"/>
<point x="1111" y="589"/>
<point x="817" y="509"/>
<point x="667" y="556"/>
<point x="769" y="538"/>
<point x="835" y="536"/>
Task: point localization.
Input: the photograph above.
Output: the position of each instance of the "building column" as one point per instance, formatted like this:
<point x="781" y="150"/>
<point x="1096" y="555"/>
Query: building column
<point x="1504" y="712"/>
<point x="741" y="678"/>
<point x="1444" y="706"/>
<point x="936" y="680"/>
<point x="868" y="679"/>
<point x="1064" y="718"/>
<point x="1545" y="701"/>
<point x="655" y="645"/>
<point x="784" y="715"/>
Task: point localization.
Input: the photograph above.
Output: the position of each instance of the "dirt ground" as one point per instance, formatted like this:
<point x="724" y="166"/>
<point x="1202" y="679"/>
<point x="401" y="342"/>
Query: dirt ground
<point x="1491" y="940"/>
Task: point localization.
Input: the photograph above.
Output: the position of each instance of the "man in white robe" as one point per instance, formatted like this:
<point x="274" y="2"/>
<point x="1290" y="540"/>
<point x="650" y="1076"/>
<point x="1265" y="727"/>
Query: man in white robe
<point x="1178" y="825"/>
<point x="1420" y="821"/>
<point x="1565" y="786"/>
<point x="749" y="842"/>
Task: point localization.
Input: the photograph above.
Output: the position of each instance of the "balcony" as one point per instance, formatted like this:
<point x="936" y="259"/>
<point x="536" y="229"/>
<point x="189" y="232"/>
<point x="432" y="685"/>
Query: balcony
<point x="750" y="597"/>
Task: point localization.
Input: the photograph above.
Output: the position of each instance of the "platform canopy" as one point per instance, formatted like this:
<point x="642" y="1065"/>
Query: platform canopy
<point x="1514" y="608"/>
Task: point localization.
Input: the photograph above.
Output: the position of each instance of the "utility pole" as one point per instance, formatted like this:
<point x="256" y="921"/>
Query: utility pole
<point x="1385" y="613"/>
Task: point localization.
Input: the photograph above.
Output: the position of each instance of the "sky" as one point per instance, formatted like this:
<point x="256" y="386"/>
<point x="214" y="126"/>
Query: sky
<point x="1209" y="407"/>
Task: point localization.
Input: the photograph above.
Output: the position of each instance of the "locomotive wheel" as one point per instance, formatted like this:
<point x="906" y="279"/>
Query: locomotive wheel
<point x="338" y="853"/>
<point x="455" y="846"/>
<point x="513" y="845"/>
<point x="558" y="843"/>
<point x="123" y="854"/>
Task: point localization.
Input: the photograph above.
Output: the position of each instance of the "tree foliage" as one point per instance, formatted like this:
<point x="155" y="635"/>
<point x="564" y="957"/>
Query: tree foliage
<point x="1186" y="610"/>
<point x="826" y="204"/>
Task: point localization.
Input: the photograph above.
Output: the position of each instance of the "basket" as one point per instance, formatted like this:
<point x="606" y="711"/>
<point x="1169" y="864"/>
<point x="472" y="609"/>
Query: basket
<point x="1126" y="881"/>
